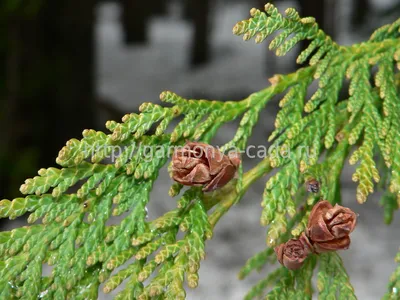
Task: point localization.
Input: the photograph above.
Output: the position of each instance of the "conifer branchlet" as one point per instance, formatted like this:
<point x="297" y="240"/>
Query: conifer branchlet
<point x="69" y="207"/>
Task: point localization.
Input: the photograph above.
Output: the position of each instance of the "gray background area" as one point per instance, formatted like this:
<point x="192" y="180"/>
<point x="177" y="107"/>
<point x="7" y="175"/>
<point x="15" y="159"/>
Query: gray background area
<point x="130" y="76"/>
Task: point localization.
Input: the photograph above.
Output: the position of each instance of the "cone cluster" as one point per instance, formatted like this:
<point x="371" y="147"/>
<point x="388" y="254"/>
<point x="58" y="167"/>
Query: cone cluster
<point x="328" y="229"/>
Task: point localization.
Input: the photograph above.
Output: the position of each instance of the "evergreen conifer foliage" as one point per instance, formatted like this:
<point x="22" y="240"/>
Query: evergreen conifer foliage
<point x="69" y="206"/>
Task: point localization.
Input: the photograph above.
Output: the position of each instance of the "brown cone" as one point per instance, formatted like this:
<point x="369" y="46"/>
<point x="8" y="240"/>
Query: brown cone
<point x="199" y="164"/>
<point x="329" y="227"/>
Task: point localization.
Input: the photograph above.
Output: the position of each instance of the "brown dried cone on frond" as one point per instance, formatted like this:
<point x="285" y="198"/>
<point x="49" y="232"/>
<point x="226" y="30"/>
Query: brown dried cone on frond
<point x="200" y="164"/>
<point x="328" y="229"/>
<point x="293" y="253"/>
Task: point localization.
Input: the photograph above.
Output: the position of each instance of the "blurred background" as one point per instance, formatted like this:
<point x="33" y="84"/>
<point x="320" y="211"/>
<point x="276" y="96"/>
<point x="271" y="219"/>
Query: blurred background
<point x="67" y="65"/>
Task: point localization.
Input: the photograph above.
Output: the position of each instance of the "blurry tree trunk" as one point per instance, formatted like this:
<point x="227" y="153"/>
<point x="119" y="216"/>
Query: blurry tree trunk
<point x="8" y="97"/>
<point x="330" y="22"/>
<point x="159" y="7"/>
<point x="187" y="10"/>
<point x="360" y="12"/>
<point x="312" y="8"/>
<point x="134" y="18"/>
<point x="50" y="84"/>
<point x="199" y="12"/>
<point x="260" y="4"/>
<point x="319" y="10"/>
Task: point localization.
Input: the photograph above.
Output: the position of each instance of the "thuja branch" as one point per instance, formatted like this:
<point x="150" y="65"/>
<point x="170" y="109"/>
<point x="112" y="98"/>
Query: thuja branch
<point x="74" y="202"/>
<point x="223" y="201"/>
<point x="123" y="184"/>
